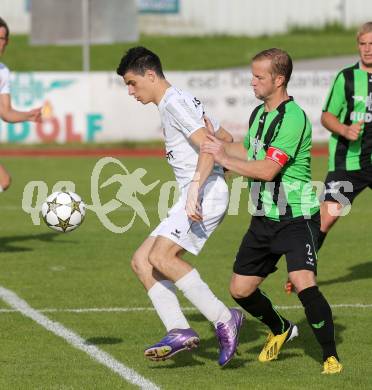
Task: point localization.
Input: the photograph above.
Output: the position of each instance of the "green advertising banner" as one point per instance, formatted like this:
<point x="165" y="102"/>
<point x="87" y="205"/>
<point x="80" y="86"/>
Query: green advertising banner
<point x="158" y="6"/>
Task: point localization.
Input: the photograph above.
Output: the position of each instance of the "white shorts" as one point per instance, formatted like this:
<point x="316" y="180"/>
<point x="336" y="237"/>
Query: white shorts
<point x="191" y="235"/>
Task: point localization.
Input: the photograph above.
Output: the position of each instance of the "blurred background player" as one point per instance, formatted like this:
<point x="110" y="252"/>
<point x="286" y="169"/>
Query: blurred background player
<point x="201" y="207"/>
<point x="7" y="113"/>
<point x="347" y="114"/>
<point x="277" y="147"/>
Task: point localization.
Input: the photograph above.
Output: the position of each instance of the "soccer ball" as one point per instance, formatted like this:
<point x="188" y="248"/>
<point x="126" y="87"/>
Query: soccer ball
<point x="63" y="211"/>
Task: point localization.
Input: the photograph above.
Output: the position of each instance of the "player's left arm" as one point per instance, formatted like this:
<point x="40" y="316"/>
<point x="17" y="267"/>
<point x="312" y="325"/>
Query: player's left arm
<point x="227" y="138"/>
<point x="9" y="114"/>
<point x="263" y="170"/>
<point x="188" y="115"/>
<point x="203" y="170"/>
<point x="205" y="161"/>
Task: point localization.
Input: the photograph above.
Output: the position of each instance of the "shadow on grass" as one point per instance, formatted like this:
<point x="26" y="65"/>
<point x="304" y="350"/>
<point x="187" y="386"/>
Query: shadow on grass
<point x="308" y="342"/>
<point x="7" y="244"/>
<point x="208" y="348"/>
<point x="103" y="340"/>
<point x="305" y="342"/>
<point x="251" y="333"/>
<point x="359" y="271"/>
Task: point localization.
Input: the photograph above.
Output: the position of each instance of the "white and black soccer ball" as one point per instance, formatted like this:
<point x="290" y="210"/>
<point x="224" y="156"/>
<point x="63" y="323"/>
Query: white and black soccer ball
<point x="63" y="211"/>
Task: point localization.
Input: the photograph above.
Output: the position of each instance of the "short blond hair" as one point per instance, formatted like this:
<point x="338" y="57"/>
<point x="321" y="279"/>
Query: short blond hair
<point x="364" y="29"/>
<point x="281" y="62"/>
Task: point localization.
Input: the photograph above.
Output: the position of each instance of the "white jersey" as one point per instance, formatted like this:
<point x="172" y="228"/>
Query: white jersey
<point x="4" y="79"/>
<point x="181" y="115"/>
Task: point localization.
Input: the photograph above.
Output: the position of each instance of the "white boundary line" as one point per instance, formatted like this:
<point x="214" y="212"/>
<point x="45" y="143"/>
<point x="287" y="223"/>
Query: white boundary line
<point x="75" y="340"/>
<point x="134" y="309"/>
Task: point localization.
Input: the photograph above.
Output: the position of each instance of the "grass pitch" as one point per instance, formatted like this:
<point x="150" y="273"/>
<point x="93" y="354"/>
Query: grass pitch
<point x="89" y="268"/>
<point x="184" y="53"/>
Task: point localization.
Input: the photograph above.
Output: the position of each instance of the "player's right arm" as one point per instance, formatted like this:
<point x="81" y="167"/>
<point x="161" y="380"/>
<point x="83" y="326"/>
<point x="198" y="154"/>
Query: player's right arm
<point x="223" y="135"/>
<point x="8" y="114"/>
<point x="335" y="104"/>
<point x="233" y="149"/>
<point x="283" y="149"/>
<point x="332" y="123"/>
<point x="236" y="150"/>
<point x="265" y="170"/>
<point x="5" y="179"/>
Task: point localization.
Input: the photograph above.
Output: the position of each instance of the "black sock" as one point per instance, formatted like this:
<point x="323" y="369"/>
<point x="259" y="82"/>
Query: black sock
<point x="260" y="306"/>
<point x="321" y="238"/>
<point x="319" y="316"/>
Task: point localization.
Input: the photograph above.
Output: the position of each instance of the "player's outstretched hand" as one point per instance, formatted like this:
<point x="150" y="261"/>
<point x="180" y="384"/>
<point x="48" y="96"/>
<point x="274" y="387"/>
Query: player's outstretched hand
<point x="215" y="147"/>
<point x="352" y="131"/>
<point x="193" y="208"/>
<point x="34" y="115"/>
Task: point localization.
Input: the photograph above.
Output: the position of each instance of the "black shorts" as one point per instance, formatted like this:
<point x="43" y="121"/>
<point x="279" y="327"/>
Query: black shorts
<point x="267" y="240"/>
<point x="344" y="186"/>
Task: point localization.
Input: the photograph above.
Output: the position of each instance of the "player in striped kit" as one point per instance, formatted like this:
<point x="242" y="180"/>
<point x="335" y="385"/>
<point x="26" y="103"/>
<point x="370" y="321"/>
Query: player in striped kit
<point x="347" y="114"/>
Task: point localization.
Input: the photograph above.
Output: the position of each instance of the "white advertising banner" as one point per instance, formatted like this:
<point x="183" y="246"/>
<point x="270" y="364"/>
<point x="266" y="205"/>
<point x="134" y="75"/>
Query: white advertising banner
<point x="95" y="107"/>
<point x="228" y="96"/>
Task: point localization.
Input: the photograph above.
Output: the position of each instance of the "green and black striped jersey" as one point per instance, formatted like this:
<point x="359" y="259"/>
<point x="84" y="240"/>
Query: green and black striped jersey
<point x="350" y="100"/>
<point x="283" y="135"/>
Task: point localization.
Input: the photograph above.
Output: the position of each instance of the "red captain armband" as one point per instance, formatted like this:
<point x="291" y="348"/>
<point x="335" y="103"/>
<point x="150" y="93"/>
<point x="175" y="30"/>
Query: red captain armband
<point x="277" y="155"/>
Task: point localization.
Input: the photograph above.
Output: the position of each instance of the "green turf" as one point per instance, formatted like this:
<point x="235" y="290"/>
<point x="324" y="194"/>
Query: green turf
<point x="183" y="53"/>
<point x="90" y="268"/>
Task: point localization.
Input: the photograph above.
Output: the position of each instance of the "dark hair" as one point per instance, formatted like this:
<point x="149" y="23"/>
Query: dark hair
<point x="138" y="60"/>
<point x="281" y="62"/>
<point x="3" y="24"/>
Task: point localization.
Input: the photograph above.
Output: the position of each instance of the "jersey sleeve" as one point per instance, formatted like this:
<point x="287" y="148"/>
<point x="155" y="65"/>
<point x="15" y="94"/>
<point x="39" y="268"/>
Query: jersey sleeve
<point x="252" y="118"/>
<point x="4" y="80"/>
<point x="187" y="115"/>
<point x="246" y="141"/>
<point x="288" y="136"/>
<point x="215" y="123"/>
<point x="336" y="100"/>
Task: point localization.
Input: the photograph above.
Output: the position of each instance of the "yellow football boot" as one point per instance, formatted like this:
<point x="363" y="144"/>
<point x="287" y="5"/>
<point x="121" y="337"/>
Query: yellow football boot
<point x="332" y="366"/>
<point x="273" y="344"/>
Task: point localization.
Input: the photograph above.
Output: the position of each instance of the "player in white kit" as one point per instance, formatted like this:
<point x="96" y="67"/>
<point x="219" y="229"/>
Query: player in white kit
<point x="201" y="207"/>
<point x="7" y="113"/>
